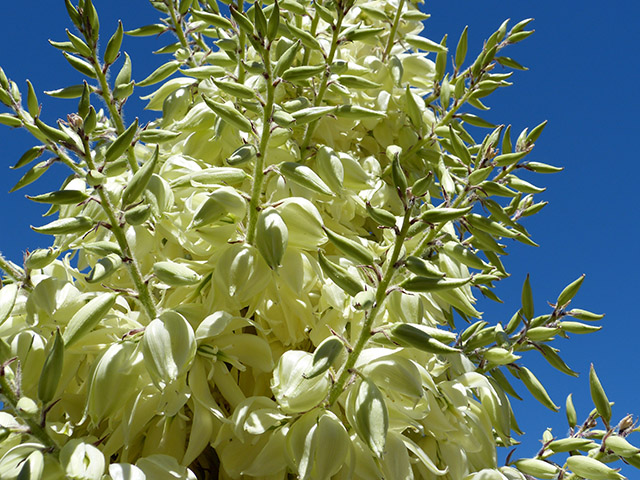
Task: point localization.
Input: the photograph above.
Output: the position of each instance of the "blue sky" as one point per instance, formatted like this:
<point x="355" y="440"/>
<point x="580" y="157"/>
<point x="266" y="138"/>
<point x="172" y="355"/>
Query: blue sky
<point x="582" y="78"/>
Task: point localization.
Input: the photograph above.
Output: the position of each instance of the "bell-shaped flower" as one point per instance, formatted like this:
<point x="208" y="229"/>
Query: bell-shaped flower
<point x="169" y="347"/>
<point x="294" y="392"/>
<point x="82" y="461"/>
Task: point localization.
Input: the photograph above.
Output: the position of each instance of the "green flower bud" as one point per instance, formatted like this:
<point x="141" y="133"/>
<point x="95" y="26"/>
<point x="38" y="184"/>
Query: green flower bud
<point x="67" y="225"/>
<point x="41" y="258"/>
<point x="418" y="336"/>
<point x="222" y="202"/>
<point x="305" y="177"/>
<point x="140" y="180"/>
<point x="341" y="276"/>
<point x="88" y="317"/>
<point x="537" y="468"/>
<point x="325" y="356"/>
<point x="590" y="468"/>
<point x="175" y="274"/>
<point x="52" y="369"/>
<point x="598" y="396"/>
<point x="272" y="236"/>
<point x="535" y="387"/>
<point x="104" y="268"/>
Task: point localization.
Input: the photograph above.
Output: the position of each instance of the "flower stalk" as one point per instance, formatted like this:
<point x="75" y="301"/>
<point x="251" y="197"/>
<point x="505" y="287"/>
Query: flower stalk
<point x="394" y="30"/>
<point x="258" y="174"/>
<point x="381" y="293"/>
<point x="12" y="270"/>
<point x="324" y="83"/>
<point x="11" y="401"/>
<point x="144" y="295"/>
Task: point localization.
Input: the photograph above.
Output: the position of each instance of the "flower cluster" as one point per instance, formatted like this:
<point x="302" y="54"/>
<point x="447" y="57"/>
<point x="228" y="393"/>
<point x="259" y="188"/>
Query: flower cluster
<point x="270" y="278"/>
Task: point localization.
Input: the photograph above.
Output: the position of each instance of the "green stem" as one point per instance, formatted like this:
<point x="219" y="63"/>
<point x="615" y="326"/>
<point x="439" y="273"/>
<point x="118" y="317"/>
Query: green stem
<point x="312" y="31"/>
<point x="459" y="203"/>
<point x="242" y="41"/>
<point x="11" y="269"/>
<point x="442" y="122"/>
<point x="505" y="172"/>
<point x="134" y="270"/>
<point x="258" y="175"/>
<point x="132" y="265"/>
<point x="66" y="159"/>
<point x="201" y="43"/>
<point x="323" y="85"/>
<point x="177" y="26"/>
<point x="50" y="145"/>
<point x="116" y="117"/>
<point x="454" y="109"/>
<point x="381" y="293"/>
<point x="11" y="401"/>
<point x="394" y="29"/>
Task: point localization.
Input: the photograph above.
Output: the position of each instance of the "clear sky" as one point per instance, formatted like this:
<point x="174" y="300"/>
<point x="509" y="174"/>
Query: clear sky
<point x="583" y="62"/>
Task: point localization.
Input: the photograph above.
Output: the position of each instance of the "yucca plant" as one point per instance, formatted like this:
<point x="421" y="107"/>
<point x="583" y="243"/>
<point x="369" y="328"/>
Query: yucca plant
<point x="276" y="278"/>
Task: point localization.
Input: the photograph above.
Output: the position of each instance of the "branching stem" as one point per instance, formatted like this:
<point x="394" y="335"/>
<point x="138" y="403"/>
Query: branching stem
<point x="132" y="265"/>
<point x="11" y="402"/>
<point x="258" y="175"/>
<point x="324" y="83"/>
<point x="394" y="29"/>
<point x="381" y="293"/>
<point x="109" y="99"/>
<point x="11" y="269"/>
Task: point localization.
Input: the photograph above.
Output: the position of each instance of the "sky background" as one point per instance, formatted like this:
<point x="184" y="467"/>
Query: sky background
<point x="582" y="77"/>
